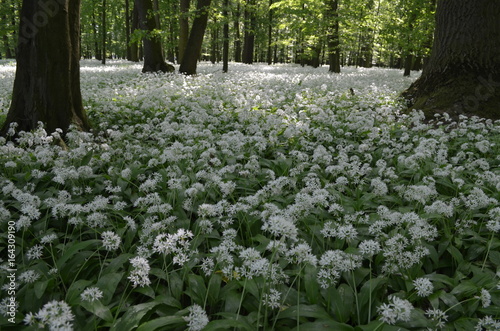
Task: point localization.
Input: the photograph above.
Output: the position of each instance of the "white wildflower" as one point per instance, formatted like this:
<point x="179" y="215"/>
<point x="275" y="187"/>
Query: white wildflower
<point x="91" y="294"/>
<point x="423" y="286"/>
<point x="110" y="240"/>
<point x="197" y="318"/>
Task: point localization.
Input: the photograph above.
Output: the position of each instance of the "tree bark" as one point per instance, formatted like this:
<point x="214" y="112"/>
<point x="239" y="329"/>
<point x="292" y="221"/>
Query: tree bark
<point x="193" y="48"/>
<point x="104" y="32"/>
<point x="153" y="53"/>
<point x="270" y="34"/>
<point x="134" y="47"/>
<point x="333" y="40"/>
<point x="249" y="34"/>
<point x="183" y="27"/>
<point x="237" y="34"/>
<point x="47" y="82"/>
<point x="225" y="36"/>
<point x="463" y="73"/>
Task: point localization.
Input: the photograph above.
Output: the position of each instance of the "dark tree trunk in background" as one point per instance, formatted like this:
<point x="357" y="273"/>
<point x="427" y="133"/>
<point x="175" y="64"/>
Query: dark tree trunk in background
<point x="225" y="33"/>
<point x="463" y="73"/>
<point x="134" y="46"/>
<point x="193" y="47"/>
<point x="249" y="35"/>
<point x="333" y="42"/>
<point x="237" y="34"/>
<point x="47" y="82"/>
<point x="104" y="32"/>
<point x="270" y="35"/>
<point x="127" y="28"/>
<point x="153" y="53"/>
<point x="183" y="28"/>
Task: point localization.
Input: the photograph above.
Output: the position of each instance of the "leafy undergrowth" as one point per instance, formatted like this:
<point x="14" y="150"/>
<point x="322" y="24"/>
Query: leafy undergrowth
<point x="268" y="198"/>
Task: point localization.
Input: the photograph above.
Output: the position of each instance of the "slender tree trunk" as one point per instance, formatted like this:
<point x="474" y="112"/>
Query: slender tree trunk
<point x="193" y="47"/>
<point x="104" y="32"/>
<point x="333" y="40"/>
<point x="127" y="29"/>
<point x="225" y="32"/>
<point x="47" y="85"/>
<point x="183" y="27"/>
<point x="97" y="51"/>
<point x="237" y="34"/>
<point x="270" y="34"/>
<point x="153" y="53"/>
<point x="463" y="73"/>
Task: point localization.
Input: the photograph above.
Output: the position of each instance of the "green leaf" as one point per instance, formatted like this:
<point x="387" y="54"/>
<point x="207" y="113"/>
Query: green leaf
<point x="97" y="308"/>
<point x="108" y="284"/>
<point x="311" y="285"/>
<point x="324" y="325"/>
<point x="313" y="311"/>
<point x="161" y="322"/>
<point x="40" y="288"/>
<point x="225" y="324"/>
<point x="455" y="253"/>
<point x="71" y="251"/>
<point x="133" y="316"/>
<point x="196" y="288"/>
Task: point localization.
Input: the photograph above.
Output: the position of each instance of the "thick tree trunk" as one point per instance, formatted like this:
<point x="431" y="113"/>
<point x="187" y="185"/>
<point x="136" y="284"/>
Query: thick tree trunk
<point x="249" y="35"/>
<point x="47" y="82"/>
<point x="333" y="41"/>
<point x="463" y="73"/>
<point x="193" y="48"/>
<point x="134" y="47"/>
<point x="127" y="29"/>
<point x="153" y="53"/>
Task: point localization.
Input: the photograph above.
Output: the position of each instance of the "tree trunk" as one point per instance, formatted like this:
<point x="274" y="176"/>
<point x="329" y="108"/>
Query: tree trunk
<point x="104" y="32"/>
<point x="463" y="73"/>
<point x="153" y="53"/>
<point x="193" y="47"/>
<point x="225" y="32"/>
<point x="183" y="27"/>
<point x="134" y="47"/>
<point x="249" y="36"/>
<point x="270" y="34"/>
<point x="127" y="30"/>
<point x="237" y="34"/>
<point x="47" y="82"/>
<point x="333" y="42"/>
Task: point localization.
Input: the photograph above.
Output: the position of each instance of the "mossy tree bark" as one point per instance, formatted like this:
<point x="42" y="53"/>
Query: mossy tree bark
<point x="47" y="82"/>
<point x="153" y="54"/>
<point x="462" y="76"/>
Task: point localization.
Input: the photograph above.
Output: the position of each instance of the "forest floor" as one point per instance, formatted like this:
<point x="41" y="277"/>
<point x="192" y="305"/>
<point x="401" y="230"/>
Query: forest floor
<point x="270" y="197"/>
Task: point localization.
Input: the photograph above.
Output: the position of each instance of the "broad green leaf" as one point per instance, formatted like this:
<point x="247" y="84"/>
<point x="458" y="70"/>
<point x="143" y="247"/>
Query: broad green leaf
<point x="226" y="324"/>
<point x="40" y="288"/>
<point x="326" y="325"/>
<point x="108" y="284"/>
<point x="133" y="316"/>
<point x="313" y="311"/>
<point x="161" y="322"/>
<point x="75" y="248"/>
<point x="97" y="308"/>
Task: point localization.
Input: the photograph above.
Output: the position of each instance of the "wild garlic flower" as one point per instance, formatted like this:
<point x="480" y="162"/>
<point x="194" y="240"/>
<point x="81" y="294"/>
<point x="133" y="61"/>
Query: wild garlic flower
<point x="56" y="315"/>
<point x="110" y="240"/>
<point x="139" y="276"/>
<point x="396" y="310"/>
<point x="485" y="298"/>
<point x="423" y="286"/>
<point x="272" y="299"/>
<point x="438" y="316"/>
<point x="197" y="318"/>
<point x="35" y="252"/>
<point x="91" y="294"/>
<point x="487" y="323"/>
